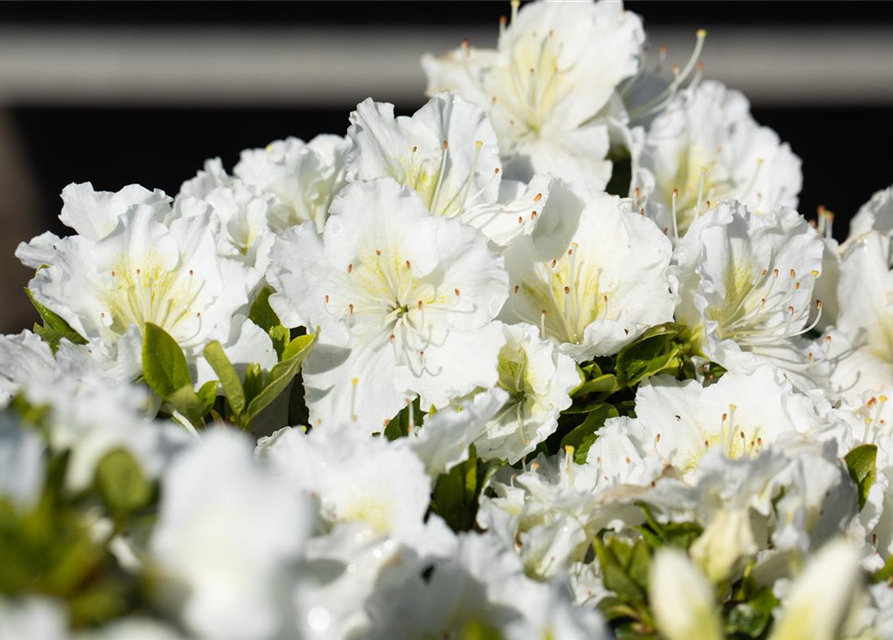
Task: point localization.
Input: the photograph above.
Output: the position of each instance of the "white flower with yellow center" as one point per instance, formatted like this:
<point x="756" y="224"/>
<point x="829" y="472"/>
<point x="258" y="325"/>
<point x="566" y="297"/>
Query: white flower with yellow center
<point x="149" y="267"/>
<point x="447" y="153"/>
<point x="707" y="147"/>
<point x="304" y="177"/>
<point x="599" y="291"/>
<point x="555" y="68"/>
<point x="379" y="487"/>
<point x="244" y="213"/>
<point x="740" y="415"/>
<point x="226" y="536"/>
<point x="404" y="301"/>
<point x="538" y="379"/>
<point x="746" y="288"/>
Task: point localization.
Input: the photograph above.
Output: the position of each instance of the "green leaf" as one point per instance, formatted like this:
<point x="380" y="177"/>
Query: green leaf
<point x="54" y="326"/>
<point x="191" y="404"/>
<point x="681" y="534"/>
<point x="615" y="577"/>
<point x="605" y="383"/>
<point x="300" y="347"/>
<point x="262" y="315"/>
<point x="455" y="496"/>
<point x="582" y="436"/>
<point x="639" y="564"/>
<point x="254" y="382"/>
<point x="753" y="617"/>
<point x="862" y="465"/>
<point x="229" y="379"/>
<point x="121" y="484"/>
<point x="282" y="374"/>
<point x="658" y="351"/>
<point x="164" y="365"/>
<point x="399" y="425"/>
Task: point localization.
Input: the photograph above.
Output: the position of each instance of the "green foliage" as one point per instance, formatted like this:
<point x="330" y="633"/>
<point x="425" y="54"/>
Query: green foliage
<point x="54" y="328"/>
<point x="229" y="379"/>
<point x="658" y="351"/>
<point x="608" y="385"/>
<point x="456" y="493"/>
<point x="247" y="398"/>
<point x="862" y="465"/>
<point x="164" y="365"/>
<point x="281" y="375"/>
<point x="263" y="316"/>
<point x="120" y="482"/>
<point x="399" y="425"/>
<point x="51" y="549"/>
<point x="582" y="436"/>
<point x="751" y="618"/>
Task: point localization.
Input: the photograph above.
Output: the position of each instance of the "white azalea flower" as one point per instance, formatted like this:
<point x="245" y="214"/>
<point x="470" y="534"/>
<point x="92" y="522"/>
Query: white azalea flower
<point x="862" y="352"/>
<point x="482" y="589"/>
<point x="304" y="177"/>
<point x="364" y="480"/>
<point x="25" y="359"/>
<point x="620" y="456"/>
<point x="682" y="600"/>
<point x="819" y="600"/>
<point x="542" y="515"/>
<point x="875" y="215"/>
<point x="444" y="440"/>
<point x="21" y="464"/>
<point x="601" y="290"/>
<point x="149" y="267"/>
<point x="707" y="147"/>
<point x="746" y="288"/>
<point x="447" y="152"/>
<point x="226" y="535"/>
<point x="404" y="301"/>
<point x="740" y="415"/>
<point x="244" y="214"/>
<point x="554" y="70"/>
<point x="538" y="379"/>
<point x="92" y="417"/>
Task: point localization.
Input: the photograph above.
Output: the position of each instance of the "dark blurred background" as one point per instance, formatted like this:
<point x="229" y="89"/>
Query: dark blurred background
<point x="116" y="93"/>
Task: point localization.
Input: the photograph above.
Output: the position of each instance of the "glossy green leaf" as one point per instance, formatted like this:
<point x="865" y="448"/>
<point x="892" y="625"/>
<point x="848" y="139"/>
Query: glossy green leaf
<point x="282" y="374"/>
<point x="164" y="365"/>
<point x="862" y="465"/>
<point x="582" y="436"/>
<point x="54" y="328"/>
<point x="229" y="379"/>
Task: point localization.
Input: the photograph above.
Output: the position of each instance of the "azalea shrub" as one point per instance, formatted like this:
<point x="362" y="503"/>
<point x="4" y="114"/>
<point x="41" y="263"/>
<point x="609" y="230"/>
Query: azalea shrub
<point x="553" y="357"/>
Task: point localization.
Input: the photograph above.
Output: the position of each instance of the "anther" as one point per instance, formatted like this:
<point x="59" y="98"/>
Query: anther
<point x="349" y="268"/>
<point x="539" y="196"/>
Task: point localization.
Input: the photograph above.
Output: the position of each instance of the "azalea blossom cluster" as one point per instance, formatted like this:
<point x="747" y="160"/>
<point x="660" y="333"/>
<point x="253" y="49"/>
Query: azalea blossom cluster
<point x="553" y="357"/>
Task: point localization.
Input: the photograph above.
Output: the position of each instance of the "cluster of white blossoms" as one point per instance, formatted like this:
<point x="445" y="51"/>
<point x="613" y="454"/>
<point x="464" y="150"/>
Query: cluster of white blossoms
<point x="554" y="357"/>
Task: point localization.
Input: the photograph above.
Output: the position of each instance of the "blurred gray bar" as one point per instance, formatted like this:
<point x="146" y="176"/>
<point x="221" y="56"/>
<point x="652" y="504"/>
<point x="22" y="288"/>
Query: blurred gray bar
<point x="331" y="67"/>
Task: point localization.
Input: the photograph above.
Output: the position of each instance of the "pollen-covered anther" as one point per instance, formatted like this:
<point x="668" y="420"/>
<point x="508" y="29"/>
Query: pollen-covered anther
<point x="350" y="268"/>
<point x="539" y="196"/>
<point x="408" y="264"/>
<point x="533" y="215"/>
<point x="457" y="292"/>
